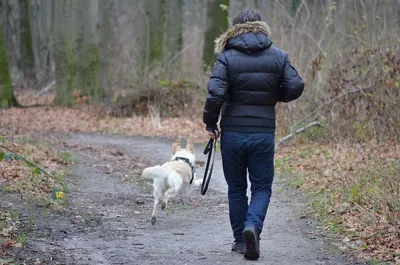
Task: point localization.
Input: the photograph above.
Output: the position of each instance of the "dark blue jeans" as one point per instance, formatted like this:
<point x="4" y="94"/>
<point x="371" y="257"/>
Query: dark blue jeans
<point x="252" y="152"/>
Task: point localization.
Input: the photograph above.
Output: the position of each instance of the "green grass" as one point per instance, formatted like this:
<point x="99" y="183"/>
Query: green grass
<point x="13" y="214"/>
<point x="21" y="238"/>
<point x="26" y="140"/>
<point x="9" y="262"/>
<point x="67" y="157"/>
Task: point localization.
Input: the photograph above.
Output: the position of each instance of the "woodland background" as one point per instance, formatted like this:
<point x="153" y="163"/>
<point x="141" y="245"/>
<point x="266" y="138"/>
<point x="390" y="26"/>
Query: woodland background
<point x="141" y="67"/>
<point x="154" y="56"/>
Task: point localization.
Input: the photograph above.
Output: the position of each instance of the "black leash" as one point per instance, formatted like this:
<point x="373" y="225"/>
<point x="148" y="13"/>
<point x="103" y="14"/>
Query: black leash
<point x="210" y="150"/>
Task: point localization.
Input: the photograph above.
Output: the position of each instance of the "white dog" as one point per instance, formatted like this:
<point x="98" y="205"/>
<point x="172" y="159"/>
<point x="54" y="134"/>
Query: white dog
<point x="169" y="178"/>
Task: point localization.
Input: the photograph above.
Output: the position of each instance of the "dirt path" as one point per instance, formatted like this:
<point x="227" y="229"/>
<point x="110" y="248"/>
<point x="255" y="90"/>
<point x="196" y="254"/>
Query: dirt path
<point x="107" y="220"/>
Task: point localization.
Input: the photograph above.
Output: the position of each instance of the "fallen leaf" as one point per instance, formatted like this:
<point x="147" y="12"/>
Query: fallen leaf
<point x="60" y="195"/>
<point x="18" y="245"/>
<point x="8" y="243"/>
<point x="4" y="233"/>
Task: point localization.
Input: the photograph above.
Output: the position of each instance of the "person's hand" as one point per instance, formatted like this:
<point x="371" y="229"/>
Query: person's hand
<point x="213" y="134"/>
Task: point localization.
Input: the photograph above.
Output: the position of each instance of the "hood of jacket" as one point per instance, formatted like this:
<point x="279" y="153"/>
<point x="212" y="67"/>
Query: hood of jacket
<point x="247" y="37"/>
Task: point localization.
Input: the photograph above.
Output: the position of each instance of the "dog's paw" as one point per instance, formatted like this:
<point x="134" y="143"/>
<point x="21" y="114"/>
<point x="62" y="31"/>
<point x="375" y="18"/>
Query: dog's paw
<point x="163" y="205"/>
<point x="153" y="220"/>
<point x="198" y="182"/>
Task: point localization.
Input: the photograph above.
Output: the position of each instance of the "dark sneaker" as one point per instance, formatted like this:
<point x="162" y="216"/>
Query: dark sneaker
<point x="238" y="247"/>
<point x="252" y="242"/>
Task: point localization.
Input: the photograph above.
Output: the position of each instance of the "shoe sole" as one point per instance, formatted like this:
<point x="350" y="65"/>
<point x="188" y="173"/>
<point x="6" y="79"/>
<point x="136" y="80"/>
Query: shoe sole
<point x="251" y="245"/>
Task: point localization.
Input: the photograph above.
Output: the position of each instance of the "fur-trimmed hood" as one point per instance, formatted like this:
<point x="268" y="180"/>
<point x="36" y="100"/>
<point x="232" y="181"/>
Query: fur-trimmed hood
<point x="238" y="29"/>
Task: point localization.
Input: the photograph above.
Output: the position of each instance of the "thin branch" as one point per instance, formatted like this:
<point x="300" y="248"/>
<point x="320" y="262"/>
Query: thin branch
<point x="292" y="134"/>
<point x="311" y="37"/>
<point x="330" y="102"/>
<point x="47" y="88"/>
<point x="372" y="213"/>
<point x="147" y="52"/>
<point x="27" y="161"/>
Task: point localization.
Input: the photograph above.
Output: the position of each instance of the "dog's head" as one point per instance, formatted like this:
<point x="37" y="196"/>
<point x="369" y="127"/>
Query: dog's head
<point x="187" y="152"/>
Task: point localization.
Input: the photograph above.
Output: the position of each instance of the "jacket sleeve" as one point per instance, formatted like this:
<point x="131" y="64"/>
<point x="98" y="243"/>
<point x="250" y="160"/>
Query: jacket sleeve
<point x="217" y="90"/>
<point x="292" y="85"/>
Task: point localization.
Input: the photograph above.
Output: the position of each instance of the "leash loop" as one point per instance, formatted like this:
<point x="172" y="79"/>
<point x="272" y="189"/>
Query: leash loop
<point x="210" y="150"/>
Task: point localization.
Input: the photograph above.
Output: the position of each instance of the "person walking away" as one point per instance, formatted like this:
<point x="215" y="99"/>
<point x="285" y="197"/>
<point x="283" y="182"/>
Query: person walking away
<point x="249" y="77"/>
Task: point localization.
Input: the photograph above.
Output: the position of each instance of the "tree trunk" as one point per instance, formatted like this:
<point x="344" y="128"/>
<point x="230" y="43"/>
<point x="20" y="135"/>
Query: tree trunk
<point x="154" y="11"/>
<point x="27" y="63"/>
<point x="141" y="36"/>
<point x="40" y="28"/>
<point x="63" y="54"/>
<point x="10" y="20"/>
<point x="216" y="24"/>
<point x="87" y="50"/>
<point x="398" y="11"/>
<point x="193" y="37"/>
<point x="104" y="34"/>
<point x="7" y="97"/>
<point x="174" y="22"/>
<point x="293" y="7"/>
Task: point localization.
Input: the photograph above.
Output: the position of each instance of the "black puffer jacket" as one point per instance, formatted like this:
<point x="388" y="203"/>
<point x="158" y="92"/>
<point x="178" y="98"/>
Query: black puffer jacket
<point x="249" y="78"/>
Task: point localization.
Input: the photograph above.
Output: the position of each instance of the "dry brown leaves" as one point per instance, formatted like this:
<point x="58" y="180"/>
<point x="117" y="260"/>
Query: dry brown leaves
<point x="360" y="187"/>
<point x="16" y="176"/>
<point x="8" y="232"/>
<point x="83" y="120"/>
<point x="86" y="118"/>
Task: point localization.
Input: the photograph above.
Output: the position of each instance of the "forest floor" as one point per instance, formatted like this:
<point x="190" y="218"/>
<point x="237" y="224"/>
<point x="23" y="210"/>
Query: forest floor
<point x="96" y="210"/>
<point x="106" y="216"/>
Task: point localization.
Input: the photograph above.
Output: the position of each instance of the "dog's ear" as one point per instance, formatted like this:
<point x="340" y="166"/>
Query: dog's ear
<point x="176" y="146"/>
<point x="189" y="146"/>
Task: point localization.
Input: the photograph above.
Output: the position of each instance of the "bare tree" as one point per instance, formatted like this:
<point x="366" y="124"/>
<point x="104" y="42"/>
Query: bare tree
<point x="63" y="53"/>
<point x="216" y="23"/>
<point x="7" y="97"/>
<point x="86" y="48"/>
<point x="40" y="18"/>
<point x="27" y="63"/>
<point x="173" y="38"/>
<point x="154" y="12"/>
<point x="103" y="29"/>
<point x="193" y="37"/>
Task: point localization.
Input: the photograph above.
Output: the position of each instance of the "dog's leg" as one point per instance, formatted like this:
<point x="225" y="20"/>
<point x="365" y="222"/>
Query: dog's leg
<point x="175" y="184"/>
<point x="169" y="194"/>
<point x="198" y="182"/>
<point x="157" y="199"/>
<point x="154" y="214"/>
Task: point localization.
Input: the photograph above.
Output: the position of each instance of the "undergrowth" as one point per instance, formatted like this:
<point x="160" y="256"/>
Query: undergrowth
<point x="33" y="171"/>
<point x="353" y="190"/>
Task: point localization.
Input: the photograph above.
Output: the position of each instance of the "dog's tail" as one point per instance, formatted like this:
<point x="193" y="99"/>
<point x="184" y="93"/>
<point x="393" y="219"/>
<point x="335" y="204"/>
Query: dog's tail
<point x="153" y="172"/>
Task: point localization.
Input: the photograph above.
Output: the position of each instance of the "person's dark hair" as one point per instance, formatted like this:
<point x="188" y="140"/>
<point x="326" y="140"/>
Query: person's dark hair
<point x="246" y="16"/>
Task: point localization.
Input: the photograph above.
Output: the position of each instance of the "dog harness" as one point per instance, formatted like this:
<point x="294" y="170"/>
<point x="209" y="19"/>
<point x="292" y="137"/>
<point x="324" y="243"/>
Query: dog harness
<point x="190" y="164"/>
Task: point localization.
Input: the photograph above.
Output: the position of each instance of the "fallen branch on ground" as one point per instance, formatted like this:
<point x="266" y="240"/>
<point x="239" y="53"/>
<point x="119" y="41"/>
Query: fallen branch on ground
<point x="292" y="134"/>
<point x="47" y="88"/>
<point x="330" y="102"/>
<point x="27" y="162"/>
<point x="43" y="90"/>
